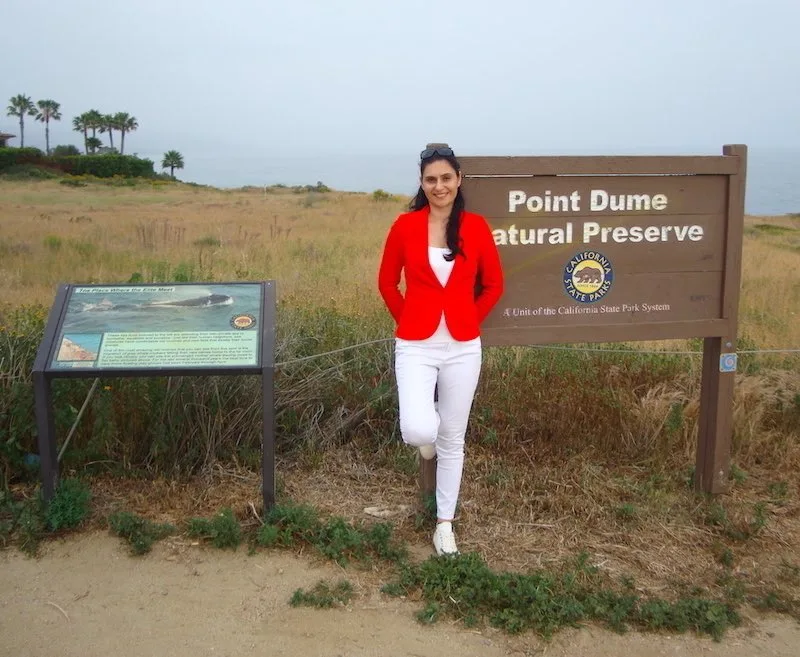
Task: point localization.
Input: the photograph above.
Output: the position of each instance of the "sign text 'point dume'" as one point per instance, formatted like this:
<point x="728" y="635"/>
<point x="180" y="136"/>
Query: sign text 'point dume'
<point x="599" y="201"/>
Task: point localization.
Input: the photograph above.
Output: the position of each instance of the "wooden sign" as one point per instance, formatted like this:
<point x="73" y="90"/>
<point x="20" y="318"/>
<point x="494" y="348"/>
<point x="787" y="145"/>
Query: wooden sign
<point x="608" y="249"/>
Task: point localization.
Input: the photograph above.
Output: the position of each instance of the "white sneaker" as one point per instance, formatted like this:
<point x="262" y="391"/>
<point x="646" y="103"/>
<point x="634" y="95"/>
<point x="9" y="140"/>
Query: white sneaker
<point x="444" y="540"/>
<point x="427" y="451"/>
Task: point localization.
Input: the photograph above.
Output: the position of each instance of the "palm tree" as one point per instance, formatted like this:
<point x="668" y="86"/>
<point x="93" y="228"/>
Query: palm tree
<point x="94" y="121"/>
<point x="79" y="124"/>
<point x="20" y="105"/>
<point x="125" y="123"/>
<point x="93" y="143"/>
<point x="110" y="124"/>
<point x="173" y="160"/>
<point x="49" y="110"/>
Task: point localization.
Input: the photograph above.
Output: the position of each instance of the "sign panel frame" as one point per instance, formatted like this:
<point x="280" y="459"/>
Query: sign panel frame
<point x="201" y="351"/>
<point x="88" y="319"/>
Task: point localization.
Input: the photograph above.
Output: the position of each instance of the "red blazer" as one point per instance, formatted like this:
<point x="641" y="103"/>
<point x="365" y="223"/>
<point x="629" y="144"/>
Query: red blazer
<point x="418" y="312"/>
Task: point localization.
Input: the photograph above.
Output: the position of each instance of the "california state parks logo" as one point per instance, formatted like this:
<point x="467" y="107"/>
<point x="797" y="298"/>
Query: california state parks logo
<point x="243" y="322"/>
<point x="588" y="276"/>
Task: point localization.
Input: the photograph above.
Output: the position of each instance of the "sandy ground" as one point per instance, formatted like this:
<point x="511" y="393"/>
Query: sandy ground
<point x="86" y="596"/>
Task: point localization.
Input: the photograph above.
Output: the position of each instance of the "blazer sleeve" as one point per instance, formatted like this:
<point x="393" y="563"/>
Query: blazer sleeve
<point x="389" y="273"/>
<point x="490" y="272"/>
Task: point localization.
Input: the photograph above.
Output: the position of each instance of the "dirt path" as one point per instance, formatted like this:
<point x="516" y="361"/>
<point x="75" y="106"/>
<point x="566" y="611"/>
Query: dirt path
<point x="184" y="600"/>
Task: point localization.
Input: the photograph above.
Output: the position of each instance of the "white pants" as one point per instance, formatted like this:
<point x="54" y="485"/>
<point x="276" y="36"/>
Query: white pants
<point x="453" y="368"/>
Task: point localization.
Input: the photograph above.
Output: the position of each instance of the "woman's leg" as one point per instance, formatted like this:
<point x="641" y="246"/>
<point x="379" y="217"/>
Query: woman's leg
<point x="415" y="371"/>
<point x="458" y="379"/>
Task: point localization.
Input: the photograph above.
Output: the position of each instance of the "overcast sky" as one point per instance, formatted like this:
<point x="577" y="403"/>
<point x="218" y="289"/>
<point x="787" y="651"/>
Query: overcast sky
<point x="246" y="80"/>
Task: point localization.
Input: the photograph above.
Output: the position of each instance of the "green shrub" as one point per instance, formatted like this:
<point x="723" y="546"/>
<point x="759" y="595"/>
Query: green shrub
<point x="65" y="149"/>
<point x="209" y="241"/>
<point x="15" y="156"/>
<point x="102" y="166"/>
<point x="323" y="595"/>
<point x="223" y="530"/>
<point x="285" y="523"/>
<point x="69" y="506"/>
<point x="84" y="249"/>
<point x="139" y="532"/>
<point x="73" y="182"/>
<point x="465" y="588"/>
<point x="774" y="229"/>
<point x="28" y="172"/>
<point x="30" y="525"/>
<point x="21" y="330"/>
<point x="53" y="242"/>
<point x="320" y="187"/>
<point x="105" y="166"/>
<point x="336" y="538"/>
<point x="21" y="522"/>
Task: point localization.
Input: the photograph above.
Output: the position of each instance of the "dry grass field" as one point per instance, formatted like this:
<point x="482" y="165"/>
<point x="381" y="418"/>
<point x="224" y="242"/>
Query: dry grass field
<point x="568" y="452"/>
<point x="321" y="247"/>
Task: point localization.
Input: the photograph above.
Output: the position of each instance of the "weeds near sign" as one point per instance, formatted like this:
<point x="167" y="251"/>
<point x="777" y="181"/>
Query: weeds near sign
<point x="69" y="506"/>
<point x="140" y="533"/>
<point x="466" y="589"/>
<point x="740" y="528"/>
<point x="324" y="595"/>
<point x="30" y="520"/>
<point x="335" y="538"/>
<point x="223" y="529"/>
<point x="23" y="522"/>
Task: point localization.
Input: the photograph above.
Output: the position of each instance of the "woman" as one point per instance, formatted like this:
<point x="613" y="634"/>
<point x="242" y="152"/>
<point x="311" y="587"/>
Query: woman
<point x="445" y="254"/>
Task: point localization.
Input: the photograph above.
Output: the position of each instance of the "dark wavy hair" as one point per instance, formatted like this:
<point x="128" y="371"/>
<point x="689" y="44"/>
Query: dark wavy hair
<point x="454" y="220"/>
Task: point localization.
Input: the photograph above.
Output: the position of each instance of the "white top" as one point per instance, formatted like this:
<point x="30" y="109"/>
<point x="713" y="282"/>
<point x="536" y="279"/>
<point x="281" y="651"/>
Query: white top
<point x="442" y="268"/>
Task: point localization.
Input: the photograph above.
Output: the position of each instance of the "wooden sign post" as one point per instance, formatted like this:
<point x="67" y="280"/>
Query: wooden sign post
<point x="611" y="249"/>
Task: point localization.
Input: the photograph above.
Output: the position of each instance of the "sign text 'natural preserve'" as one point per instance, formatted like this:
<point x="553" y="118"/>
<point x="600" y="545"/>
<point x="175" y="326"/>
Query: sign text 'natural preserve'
<point x="591" y="231"/>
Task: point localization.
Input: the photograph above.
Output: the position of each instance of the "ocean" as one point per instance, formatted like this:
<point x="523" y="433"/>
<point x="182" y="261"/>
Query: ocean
<point x="773" y="183"/>
<point x="773" y="175"/>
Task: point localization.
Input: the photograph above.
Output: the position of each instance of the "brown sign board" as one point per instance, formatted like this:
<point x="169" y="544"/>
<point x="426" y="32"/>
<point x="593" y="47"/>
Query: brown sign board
<point x="609" y="249"/>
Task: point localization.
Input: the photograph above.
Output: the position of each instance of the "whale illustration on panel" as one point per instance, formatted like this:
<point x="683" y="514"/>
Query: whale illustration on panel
<point x="205" y="301"/>
<point x="197" y="302"/>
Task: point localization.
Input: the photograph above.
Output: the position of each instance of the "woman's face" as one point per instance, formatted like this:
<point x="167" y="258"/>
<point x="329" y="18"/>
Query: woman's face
<point x="440" y="182"/>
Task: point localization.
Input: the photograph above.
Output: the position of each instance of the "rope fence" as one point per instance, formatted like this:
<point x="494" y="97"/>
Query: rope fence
<point x="382" y="340"/>
<point x="294" y="361"/>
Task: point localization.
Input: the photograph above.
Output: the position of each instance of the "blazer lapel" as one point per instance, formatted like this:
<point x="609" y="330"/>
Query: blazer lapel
<point x="423" y="242"/>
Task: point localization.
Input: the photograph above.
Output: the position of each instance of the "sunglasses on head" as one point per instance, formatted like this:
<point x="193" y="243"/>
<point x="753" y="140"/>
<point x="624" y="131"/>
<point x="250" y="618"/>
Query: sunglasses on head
<point x="444" y="151"/>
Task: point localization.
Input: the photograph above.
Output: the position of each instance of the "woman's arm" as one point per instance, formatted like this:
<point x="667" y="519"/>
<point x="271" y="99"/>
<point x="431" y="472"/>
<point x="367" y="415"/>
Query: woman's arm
<point x="490" y="272"/>
<point x="389" y="273"/>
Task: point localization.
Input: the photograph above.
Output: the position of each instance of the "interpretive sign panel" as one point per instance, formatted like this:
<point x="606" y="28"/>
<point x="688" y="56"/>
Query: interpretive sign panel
<point x="172" y="329"/>
<point x="159" y="327"/>
<point x="618" y="248"/>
